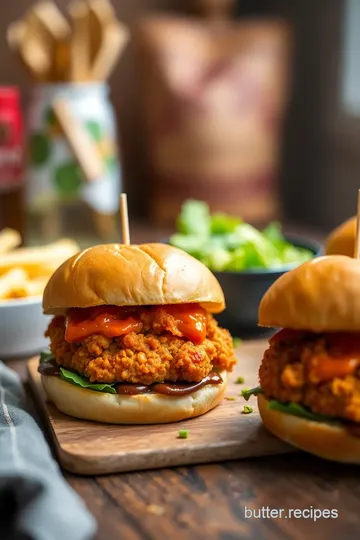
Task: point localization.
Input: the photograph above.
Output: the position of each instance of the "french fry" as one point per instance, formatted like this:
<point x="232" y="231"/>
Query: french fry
<point x="34" y="260"/>
<point x="9" y="240"/>
<point x="33" y="287"/>
<point x="10" y="280"/>
<point x="36" y="287"/>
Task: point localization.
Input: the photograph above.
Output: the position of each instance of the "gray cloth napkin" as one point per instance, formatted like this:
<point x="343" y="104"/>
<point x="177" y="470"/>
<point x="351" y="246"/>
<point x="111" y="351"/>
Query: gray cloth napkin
<point x="36" y="503"/>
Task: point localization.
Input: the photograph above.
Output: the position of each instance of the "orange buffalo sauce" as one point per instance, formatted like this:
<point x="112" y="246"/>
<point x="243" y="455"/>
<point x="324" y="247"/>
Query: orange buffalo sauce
<point x="110" y="321"/>
<point x="190" y="320"/>
<point x="325" y="368"/>
<point x="341" y="359"/>
<point x="115" y="321"/>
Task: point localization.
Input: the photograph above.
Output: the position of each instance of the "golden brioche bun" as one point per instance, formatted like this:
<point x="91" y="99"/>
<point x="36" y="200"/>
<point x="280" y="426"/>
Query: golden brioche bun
<point x="140" y="409"/>
<point x="321" y="295"/>
<point x="132" y="275"/>
<point x="328" y="441"/>
<point x="342" y="239"/>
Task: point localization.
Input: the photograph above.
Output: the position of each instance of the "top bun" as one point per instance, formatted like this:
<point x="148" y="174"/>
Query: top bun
<point x="342" y="240"/>
<point x="321" y="295"/>
<point x="132" y="275"/>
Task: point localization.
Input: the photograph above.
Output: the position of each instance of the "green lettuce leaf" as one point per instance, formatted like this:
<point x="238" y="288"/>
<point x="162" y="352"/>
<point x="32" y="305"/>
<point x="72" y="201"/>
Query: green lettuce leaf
<point x="246" y="394"/>
<point x="223" y="223"/>
<point x="290" y="408"/>
<point x="194" y="218"/>
<point x="78" y="380"/>
<point x="273" y="232"/>
<point x="236" y="342"/>
<point x="218" y="259"/>
<point x="225" y="243"/>
<point x="46" y="356"/>
<point x="238" y="260"/>
<point x="293" y="255"/>
<point x="298" y="410"/>
<point x="192" y="244"/>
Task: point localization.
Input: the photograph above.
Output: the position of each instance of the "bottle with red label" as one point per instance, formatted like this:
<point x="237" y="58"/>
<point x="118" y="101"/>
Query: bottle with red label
<point x="11" y="160"/>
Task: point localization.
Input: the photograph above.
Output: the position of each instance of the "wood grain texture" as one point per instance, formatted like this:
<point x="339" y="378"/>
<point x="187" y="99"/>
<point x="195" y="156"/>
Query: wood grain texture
<point x="209" y="501"/>
<point x="225" y="433"/>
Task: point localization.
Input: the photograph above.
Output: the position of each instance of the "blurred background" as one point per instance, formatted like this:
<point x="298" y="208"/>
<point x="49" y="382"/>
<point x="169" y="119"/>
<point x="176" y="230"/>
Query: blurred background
<point x="253" y="106"/>
<point x="230" y="124"/>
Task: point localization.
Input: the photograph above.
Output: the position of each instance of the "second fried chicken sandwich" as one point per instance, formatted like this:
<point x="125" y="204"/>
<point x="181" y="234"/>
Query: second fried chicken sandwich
<point x="309" y="392"/>
<point x="133" y="338"/>
<point x="341" y="241"/>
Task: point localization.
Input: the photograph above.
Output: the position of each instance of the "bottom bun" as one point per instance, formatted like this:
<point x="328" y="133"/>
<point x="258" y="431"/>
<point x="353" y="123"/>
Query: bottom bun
<point x="139" y="409"/>
<point x="324" y="440"/>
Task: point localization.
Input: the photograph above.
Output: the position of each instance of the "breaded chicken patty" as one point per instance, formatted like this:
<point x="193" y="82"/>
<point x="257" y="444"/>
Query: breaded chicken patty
<point x="155" y="354"/>
<point x="312" y="371"/>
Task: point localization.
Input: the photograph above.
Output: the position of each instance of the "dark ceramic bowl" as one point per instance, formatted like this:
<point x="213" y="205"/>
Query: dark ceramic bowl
<point x="244" y="290"/>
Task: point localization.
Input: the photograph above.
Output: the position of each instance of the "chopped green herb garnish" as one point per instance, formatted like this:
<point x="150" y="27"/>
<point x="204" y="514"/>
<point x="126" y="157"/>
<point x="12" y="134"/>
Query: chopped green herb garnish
<point x="230" y="398"/>
<point x="183" y="434"/>
<point x="240" y="380"/>
<point x="248" y="392"/>
<point x="236" y="342"/>
<point x="247" y="409"/>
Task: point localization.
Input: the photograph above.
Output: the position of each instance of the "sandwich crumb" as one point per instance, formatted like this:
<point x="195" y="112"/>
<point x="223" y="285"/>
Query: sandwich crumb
<point x="155" y="509"/>
<point x="230" y="398"/>
<point x="183" y="434"/>
<point x="247" y="409"/>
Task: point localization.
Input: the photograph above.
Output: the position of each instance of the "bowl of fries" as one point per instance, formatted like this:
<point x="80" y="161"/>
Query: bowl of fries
<point x="24" y="272"/>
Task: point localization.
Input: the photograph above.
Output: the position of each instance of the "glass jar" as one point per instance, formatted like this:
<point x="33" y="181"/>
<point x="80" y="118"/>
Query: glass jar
<point x="57" y="192"/>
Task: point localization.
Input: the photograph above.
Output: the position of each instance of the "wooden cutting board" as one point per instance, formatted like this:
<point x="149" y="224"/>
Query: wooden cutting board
<point x="224" y="433"/>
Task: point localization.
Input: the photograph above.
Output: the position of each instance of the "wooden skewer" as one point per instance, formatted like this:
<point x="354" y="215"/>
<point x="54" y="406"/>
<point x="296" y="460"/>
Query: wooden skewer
<point x="125" y="232"/>
<point x="357" y="239"/>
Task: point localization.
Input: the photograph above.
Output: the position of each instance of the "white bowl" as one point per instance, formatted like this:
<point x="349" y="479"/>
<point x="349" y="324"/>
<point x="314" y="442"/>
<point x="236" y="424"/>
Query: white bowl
<point x="22" y="327"/>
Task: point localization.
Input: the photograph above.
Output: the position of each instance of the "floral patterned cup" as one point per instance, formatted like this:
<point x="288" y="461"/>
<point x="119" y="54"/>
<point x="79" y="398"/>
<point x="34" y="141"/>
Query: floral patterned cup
<point x="54" y="176"/>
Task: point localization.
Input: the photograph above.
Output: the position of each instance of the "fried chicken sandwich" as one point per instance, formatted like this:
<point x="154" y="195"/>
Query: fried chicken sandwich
<point x="309" y="393"/>
<point x="341" y="241"/>
<point x="133" y="338"/>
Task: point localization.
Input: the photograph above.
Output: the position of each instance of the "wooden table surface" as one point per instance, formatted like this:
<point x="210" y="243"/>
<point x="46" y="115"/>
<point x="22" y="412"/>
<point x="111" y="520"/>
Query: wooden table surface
<point x="209" y="501"/>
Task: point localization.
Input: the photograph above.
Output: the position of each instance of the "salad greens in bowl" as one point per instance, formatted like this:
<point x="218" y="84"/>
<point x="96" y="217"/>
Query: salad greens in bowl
<point x="245" y="260"/>
<point x="225" y="243"/>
